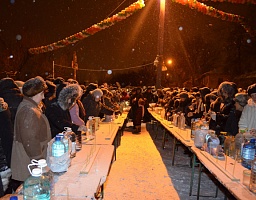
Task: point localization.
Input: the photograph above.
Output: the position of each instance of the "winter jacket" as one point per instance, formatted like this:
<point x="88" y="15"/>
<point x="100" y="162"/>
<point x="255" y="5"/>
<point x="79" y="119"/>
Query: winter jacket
<point x="58" y="112"/>
<point x="92" y="108"/>
<point x="248" y="117"/>
<point x="11" y="94"/>
<point x="6" y="131"/>
<point x="31" y="136"/>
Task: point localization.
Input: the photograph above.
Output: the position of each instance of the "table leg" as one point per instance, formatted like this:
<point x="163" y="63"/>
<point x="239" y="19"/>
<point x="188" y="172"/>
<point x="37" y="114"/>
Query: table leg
<point x="192" y="174"/>
<point x="199" y="181"/>
<point x="173" y="149"/>
<point x="164" y="138"/>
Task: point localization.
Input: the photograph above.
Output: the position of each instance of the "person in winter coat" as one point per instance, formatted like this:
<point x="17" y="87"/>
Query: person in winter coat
<point x="92" y="103"/>
<point x="58" y="112"/>
<point x="226" y="118"/>
<point x="6" y="139"/>
<point x="77" y="111"/>
<point x="31" y="131"/>
<point x="6" y="131"/>
<point x="248" y="118"/>
<point x="11" y="94"/>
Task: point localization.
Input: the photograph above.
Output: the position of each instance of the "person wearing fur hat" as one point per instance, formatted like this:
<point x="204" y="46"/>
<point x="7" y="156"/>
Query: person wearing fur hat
<point x="89" y="88"/>
<point x="92" y="103"/>
<point x="248" y="118"/>
<point x="225" y="119"/>
<point x="31" y="130"/>
<point x="58" y="113"/>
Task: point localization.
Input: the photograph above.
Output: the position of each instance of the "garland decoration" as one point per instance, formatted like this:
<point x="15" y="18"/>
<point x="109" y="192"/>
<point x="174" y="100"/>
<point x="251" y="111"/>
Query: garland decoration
<point x="213" y="12"/>
<point x="106" y="23"/>
<point x="233" y="1"/>
<point x="208" y="10"/>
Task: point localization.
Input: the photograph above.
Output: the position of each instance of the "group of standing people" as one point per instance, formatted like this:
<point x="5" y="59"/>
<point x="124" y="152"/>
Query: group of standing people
<point x="35" y="111"/>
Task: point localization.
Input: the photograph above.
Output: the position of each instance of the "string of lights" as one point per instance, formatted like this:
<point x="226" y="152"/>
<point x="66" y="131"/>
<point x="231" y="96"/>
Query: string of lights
<point x="100" y="70"/>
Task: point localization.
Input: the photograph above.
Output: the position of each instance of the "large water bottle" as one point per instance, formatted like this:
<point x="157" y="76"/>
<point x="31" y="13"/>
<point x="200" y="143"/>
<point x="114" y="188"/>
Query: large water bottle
<point x="46" y="171"/>
<point x="252" y="185"/>
<point x="58" y="147"/>
<point x="36" y="187"/>
<point x="248" y="153"/>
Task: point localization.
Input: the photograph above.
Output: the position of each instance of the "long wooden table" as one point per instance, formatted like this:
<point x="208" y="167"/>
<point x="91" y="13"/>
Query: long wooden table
<point x="223" y="171"/>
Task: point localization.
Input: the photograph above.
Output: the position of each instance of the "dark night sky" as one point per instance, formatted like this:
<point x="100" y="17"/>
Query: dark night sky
<point x="129" y="43"/>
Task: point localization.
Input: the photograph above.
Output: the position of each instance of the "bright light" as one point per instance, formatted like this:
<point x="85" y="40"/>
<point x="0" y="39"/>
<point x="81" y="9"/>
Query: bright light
<point x="167" y="74"/>
<point x="109" y="72"/>
<point x="169" y="62"/>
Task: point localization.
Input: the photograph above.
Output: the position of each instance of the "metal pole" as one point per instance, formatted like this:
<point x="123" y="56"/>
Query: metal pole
<point x="52" y="69"/>
<point x="160" y="43"/>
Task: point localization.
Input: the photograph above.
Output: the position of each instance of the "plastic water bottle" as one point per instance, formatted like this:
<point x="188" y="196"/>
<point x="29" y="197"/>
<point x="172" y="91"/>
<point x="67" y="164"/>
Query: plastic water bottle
<point x="248" y="153"/>
<point x="181" y="122"/>
<point x="58" y="147"/>
<point x="72" y="137"/>
<point x="91" y="125"/>
<point x="36" y="187"/>
<point x="252" y="185"/>
<point x="46" y="171"/>
<point x="65" y="140"/>
<point x="239" y="142"/>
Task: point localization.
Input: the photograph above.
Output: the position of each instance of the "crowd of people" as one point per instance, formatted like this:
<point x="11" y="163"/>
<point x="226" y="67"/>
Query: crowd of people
<point x="35" y="111"/>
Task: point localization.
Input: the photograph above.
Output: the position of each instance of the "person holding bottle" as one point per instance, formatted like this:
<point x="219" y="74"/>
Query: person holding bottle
<point x="31" y="131"/>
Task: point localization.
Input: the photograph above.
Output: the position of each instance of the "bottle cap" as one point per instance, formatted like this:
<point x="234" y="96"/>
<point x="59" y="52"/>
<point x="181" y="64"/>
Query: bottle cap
<point x="42" y="162"/>
<point x="13" y="198"/>
<point x="68" y="129"/>
<point x="57" y="138"/>
<point x="36" y="172"/>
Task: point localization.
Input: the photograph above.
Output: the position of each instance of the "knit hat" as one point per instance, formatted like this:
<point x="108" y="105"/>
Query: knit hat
<point x="251" y="89"/>
<point x="34" y="86"/>
<point x="241" y="98"/>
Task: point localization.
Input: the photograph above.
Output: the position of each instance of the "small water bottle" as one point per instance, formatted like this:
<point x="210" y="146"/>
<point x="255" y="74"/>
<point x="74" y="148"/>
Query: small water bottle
<point x="239" y="142"/>
<point x="46" y="171"/>
<point x="36" y="187"/>
<point x="72" y="137"/>
<point x="248" y="153"/>
<point x="181" y="124"/>
<point x="58" y="147"/>
<point x="65" y="140"/>
<point x="91" y="129"/>
<point x="252" y="185"/>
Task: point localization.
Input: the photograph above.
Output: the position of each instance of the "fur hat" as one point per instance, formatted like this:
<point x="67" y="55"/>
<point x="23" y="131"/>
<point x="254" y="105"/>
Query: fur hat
<point x="34" y="86"/>
<point x="251" y="89"/>
<point x="105" y="91"/>
<point x="183" y="95"/>
<point x="68" y="95"/>
<point x="97" y="93"/>
<point x="241" y="98"/>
